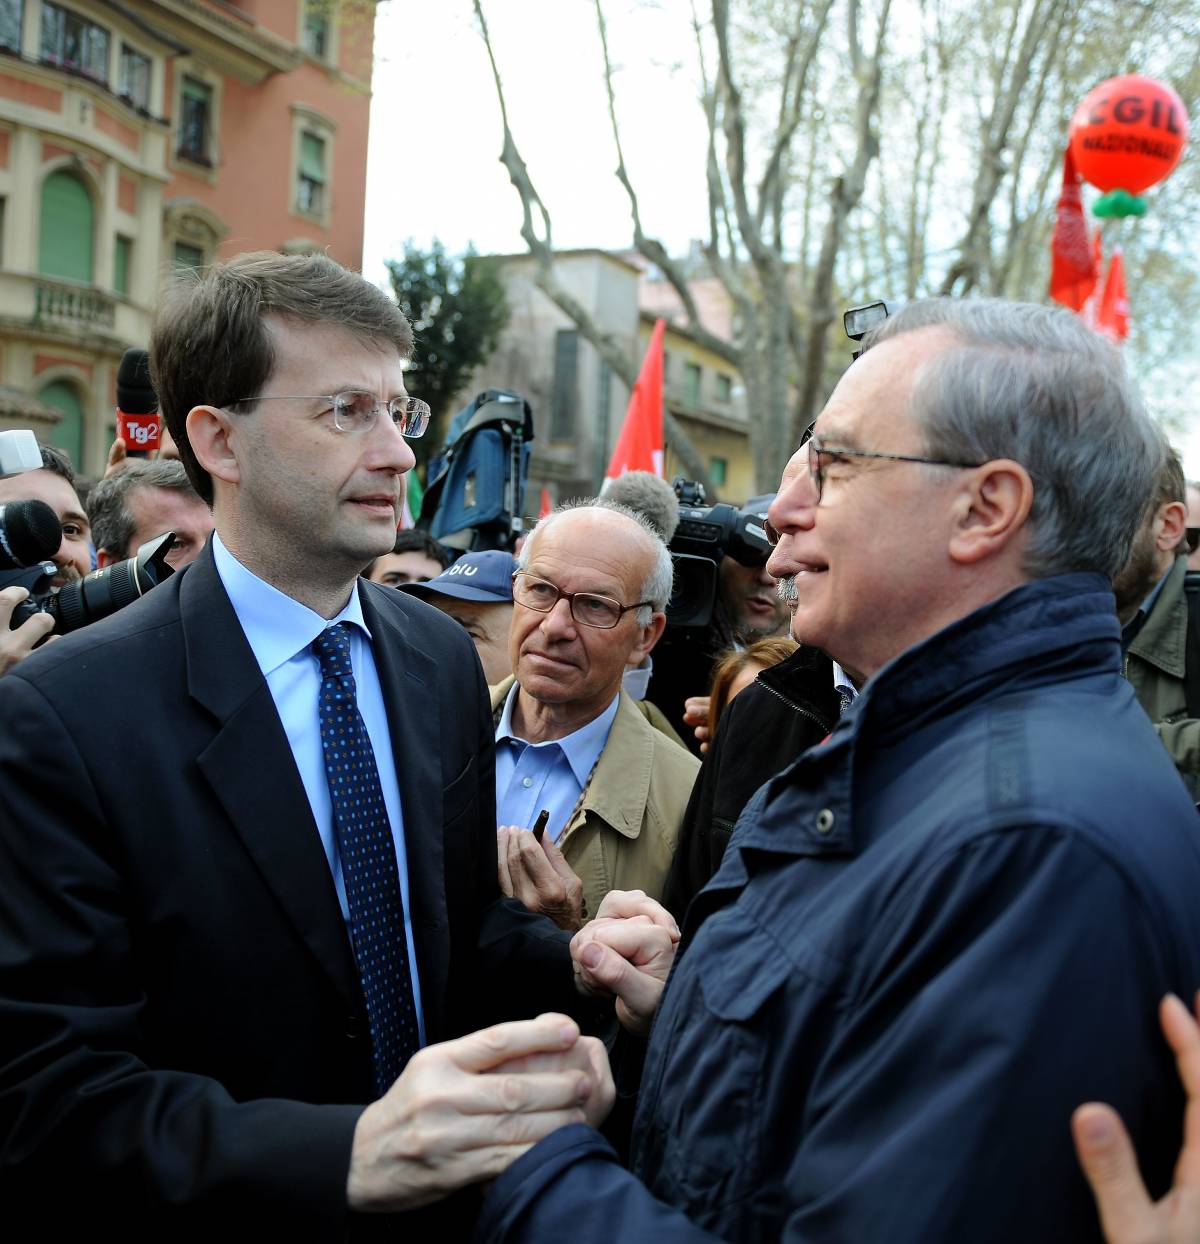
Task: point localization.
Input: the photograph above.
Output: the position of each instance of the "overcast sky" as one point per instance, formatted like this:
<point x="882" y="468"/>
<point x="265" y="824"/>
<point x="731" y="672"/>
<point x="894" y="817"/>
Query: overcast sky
<point x="433" y="167"/>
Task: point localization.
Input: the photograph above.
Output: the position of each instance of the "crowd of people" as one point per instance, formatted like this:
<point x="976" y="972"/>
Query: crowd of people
<point x="352" y="884"/>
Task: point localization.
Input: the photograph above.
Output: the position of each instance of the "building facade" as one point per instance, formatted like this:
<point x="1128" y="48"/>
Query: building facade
<point x="579" y="403"/>
<point x="141" y="136"/>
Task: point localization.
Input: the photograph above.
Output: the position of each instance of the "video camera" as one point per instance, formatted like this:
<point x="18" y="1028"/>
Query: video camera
<point x="706" y="534"/>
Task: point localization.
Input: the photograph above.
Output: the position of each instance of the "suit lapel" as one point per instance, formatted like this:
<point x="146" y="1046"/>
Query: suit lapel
<point x="250" y="768"/>
<point x="408" y="678"/>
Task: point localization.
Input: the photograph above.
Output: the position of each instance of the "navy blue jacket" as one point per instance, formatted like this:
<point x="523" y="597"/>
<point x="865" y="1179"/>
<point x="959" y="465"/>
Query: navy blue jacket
<point x="930" y="939"/>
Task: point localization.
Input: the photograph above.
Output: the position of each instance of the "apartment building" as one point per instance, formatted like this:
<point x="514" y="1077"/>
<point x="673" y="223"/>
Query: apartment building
<point x="141" y="136"/>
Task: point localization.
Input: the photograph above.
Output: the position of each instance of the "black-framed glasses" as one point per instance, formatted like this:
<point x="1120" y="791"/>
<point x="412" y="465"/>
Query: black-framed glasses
<point x="821" y="457"/>
<point x="587" y="608"/>
<point x="357" y="411"/>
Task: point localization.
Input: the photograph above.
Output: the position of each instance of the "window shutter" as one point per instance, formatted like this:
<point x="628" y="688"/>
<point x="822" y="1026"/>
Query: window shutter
<point x="65" y="241"/>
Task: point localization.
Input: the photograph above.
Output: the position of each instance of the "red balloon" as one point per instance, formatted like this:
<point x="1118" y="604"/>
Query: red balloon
<point x="1128" y="133"/>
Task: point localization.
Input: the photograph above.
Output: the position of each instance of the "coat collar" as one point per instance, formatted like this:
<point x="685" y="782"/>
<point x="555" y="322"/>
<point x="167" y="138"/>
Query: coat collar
<point x="620" y="786"/>
<point x="1040" y="633"/>
<point x="1162" y="641"/>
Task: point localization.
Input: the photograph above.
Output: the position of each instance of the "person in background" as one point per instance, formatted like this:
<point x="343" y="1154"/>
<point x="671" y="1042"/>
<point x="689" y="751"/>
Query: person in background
<point x="142" y="501"/>
<point x="1157" y="636"/>
<point x="54" y="483"/>
<point x="737" y="670"/>
<point x="476" y="591"/>
<point x="589" y="594"/>
<point x="1193" y="525"/>
<point x="416" y="557"/>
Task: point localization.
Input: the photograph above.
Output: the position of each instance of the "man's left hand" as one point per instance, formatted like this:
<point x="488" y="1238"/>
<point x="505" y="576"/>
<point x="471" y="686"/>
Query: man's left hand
<point x="536" y="873"/>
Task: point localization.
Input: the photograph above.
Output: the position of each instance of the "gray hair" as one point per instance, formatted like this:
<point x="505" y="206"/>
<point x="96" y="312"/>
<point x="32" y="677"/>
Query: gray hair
<point x="656" y="587"/>
<point x="650" y="496"/>
<point x="108" y="503"/>
<point x="1036" y="385"/>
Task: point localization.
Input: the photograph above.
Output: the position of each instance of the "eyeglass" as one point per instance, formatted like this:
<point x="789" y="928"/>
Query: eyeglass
<point x="601" y="612"/>
<point x="820" y="457"/>
<point x="357" y="411"/>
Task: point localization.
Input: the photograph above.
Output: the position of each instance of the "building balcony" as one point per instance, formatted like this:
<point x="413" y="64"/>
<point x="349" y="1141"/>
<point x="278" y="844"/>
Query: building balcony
<point x="66" y="311"/>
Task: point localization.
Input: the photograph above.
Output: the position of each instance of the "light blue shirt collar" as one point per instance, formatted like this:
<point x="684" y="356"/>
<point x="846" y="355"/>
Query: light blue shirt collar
<point x="581" y="747"/>
<point x="276" y="626"/>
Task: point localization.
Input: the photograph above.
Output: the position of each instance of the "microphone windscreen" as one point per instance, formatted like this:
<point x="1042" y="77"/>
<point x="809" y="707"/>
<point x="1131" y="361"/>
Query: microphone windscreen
<point x="29" y="533"/>
<point x="135" y="393"/>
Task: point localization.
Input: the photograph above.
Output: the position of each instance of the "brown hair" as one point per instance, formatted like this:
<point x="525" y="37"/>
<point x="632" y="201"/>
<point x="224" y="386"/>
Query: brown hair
<point x="209" y="346"/>
<point x="764" y="652"/>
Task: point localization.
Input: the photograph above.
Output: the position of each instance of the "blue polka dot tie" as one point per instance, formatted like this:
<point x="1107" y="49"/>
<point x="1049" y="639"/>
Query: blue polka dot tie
<point x="368" y="853"/>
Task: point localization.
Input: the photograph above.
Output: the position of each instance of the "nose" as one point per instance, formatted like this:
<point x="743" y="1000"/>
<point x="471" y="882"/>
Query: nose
<point x="559" y="623"/>
<point x="392" y="452"/>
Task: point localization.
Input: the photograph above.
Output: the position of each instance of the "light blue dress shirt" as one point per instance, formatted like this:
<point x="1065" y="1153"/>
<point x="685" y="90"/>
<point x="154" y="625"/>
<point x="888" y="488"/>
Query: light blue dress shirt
<point x="533" y="776"/>
<point x="280" y="632"/>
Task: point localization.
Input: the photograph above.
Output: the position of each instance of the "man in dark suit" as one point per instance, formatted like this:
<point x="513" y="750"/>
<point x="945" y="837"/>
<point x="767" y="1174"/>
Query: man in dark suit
<point x="247" y="830"/>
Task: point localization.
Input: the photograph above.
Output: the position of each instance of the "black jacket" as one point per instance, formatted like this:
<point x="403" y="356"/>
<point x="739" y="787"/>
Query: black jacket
<point x="182" y="1033"/>
<point x="790" y="707"/>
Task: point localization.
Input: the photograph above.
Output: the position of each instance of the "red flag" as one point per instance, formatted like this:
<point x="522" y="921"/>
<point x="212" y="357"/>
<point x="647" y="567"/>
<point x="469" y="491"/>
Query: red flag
<point x="640" y="445"/>
<point x="546" y="505"/>
<point x="1112" y="316"/>
<point x="1073" y="272"/>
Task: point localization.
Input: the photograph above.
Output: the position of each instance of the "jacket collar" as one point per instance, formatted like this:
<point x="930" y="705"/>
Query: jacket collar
<point x="620" y="786"/>
<point x="1042" y="632"/>
<point x="1162" y="641"/>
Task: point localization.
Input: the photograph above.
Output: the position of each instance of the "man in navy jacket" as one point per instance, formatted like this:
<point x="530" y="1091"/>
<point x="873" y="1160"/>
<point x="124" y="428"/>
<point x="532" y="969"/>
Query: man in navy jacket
<point x="934" y="935"/>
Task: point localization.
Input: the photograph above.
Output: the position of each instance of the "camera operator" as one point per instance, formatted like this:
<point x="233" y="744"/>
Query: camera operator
<point x="723" y="599"/>
<point x="143" y="501"/>
<point x="53" y="483"/>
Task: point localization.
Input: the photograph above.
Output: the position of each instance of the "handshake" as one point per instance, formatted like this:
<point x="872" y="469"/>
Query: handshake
<point x="462" y="1111"/>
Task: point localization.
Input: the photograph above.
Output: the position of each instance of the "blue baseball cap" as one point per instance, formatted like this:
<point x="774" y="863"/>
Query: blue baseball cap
<point x="475" y="576"/>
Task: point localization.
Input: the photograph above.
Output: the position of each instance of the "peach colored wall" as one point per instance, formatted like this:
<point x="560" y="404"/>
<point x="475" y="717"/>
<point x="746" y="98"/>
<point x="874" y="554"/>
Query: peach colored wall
<point x="127" y="194"/>
<point x="30" y="93"/>
<point x="106" y="123"/>
<point x="253" y="187"/>
<point x="43" y="362"/>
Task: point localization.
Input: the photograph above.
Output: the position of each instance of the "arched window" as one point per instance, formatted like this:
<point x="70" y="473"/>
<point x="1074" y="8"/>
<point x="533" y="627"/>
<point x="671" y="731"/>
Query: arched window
<point x="68" y="435"/>
<point x="65" y="235"/>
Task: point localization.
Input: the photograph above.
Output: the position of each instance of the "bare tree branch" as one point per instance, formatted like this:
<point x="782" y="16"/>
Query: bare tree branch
<point x="652" y="248"/>
<point x="539" y="247"/>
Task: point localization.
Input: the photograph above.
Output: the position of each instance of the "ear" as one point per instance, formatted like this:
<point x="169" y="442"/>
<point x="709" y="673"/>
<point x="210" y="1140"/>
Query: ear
<point x="1171" y="520"/>
<point x="991" y="510"/>
<point x="648" y="636"/>
<point x="209" y="431"/>
<point x="105" y="558"/>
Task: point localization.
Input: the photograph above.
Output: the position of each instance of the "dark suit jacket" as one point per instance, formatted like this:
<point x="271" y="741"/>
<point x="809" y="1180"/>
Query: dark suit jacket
<point x="180" y="1018"/>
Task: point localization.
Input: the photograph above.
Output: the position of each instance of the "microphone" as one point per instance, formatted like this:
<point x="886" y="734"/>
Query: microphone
<point x="137" y="404"/>
<point x="29" y="533"/>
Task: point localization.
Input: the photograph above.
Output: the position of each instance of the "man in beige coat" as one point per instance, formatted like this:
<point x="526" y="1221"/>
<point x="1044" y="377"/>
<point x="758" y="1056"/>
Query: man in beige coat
<point x="589" y="593"/>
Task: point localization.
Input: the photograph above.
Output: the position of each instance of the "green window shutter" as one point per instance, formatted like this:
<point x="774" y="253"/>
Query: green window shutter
<point x="65" y="237"/>
<point x="312" y="157"/>
<point x="199" y="91"/>
<point x="188" y="256"/>
<point x="68" y="435"/>
<point x="121" y="255"/>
